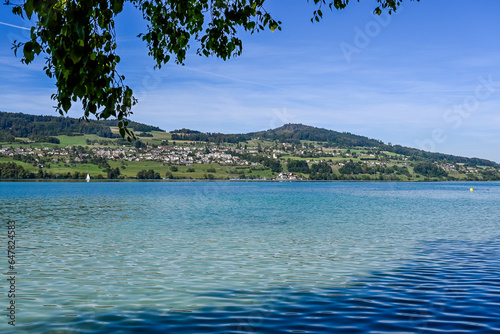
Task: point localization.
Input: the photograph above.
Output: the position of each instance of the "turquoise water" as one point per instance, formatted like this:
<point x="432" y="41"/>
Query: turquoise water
<point x="260" y="257"/>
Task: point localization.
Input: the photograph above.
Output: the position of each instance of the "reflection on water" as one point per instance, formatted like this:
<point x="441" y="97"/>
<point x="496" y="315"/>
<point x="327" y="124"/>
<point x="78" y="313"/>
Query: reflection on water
<point x="456" y="289"/>
<point x="255" y="257"/>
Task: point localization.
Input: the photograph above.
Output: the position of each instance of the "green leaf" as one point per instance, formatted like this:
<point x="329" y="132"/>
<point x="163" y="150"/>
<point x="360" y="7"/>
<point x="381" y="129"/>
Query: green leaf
<point x="66" y="104"/>
<point x="117" y="6"/>
<point x="28" y="8"/>
<point x="28" y="52"/>
<point x="17" y="10"/>
<point x="75" y="56"/>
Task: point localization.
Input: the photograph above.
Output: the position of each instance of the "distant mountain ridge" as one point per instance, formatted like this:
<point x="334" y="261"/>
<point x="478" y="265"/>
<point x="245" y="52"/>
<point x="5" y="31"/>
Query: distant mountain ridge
<point x="292" y="131"/>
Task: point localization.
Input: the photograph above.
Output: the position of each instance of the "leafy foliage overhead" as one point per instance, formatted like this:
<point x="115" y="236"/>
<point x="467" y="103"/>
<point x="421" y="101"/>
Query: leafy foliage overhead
<point x="79" y="41"/>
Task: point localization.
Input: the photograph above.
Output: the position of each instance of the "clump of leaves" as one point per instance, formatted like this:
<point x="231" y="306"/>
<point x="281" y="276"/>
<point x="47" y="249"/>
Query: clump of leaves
<point x="79" y="42"/>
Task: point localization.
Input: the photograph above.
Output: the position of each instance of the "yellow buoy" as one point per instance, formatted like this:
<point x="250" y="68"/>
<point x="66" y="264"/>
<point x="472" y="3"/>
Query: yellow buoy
<point x="471" y="189"/>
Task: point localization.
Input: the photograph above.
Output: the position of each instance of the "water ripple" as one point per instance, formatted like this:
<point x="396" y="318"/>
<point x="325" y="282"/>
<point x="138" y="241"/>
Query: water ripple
<point x="185" y="258"/>
<point x="415" y="298"/>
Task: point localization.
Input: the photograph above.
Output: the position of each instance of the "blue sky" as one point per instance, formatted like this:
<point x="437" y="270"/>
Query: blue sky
<point x="427" y="77"/>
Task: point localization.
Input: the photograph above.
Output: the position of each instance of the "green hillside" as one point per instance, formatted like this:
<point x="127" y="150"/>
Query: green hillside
<point x="31" y="126"/>
<point x="298" y="132"/>
<point x="49" y="147"/>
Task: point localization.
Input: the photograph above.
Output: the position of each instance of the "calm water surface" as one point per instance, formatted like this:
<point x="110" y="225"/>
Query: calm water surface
<point x="236" y="257"/>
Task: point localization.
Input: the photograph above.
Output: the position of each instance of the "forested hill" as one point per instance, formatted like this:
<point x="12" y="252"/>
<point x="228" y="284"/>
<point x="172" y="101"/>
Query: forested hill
<point x="440" y="157"/>
<point x="24" y="125"/>
<point x="288" y="133"/>
<point x="296" y="132"/>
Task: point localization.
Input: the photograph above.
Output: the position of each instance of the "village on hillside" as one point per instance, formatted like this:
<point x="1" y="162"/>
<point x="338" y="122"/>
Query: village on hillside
<point x="363" y="164"/>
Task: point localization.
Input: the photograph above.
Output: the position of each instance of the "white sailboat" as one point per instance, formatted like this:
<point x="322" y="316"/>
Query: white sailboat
<point x="88" y="177"/>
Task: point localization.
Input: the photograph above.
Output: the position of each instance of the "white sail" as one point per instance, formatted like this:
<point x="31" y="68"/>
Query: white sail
<point x="88" y="177"/>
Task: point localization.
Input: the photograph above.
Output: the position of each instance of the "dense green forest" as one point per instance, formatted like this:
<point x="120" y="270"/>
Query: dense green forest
<point x="31" y="126"/>
<point x="211" y="137"/>
<point x="288" y="133"/>
<point x="296" y="132"/>
<point x="137" y="127"/>
<point x="11" y="170"/>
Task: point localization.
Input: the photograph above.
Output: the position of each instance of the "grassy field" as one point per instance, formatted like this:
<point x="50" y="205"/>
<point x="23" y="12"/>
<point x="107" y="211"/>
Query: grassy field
<point x="34" y="145"/>
<point x="77" y="140"/>
<point x="161" y="135"/>
<point x="20" y="163"/>
<point x="63" y="169"/>
<point x="201" y="171"/>
<point x="129" y="169"/>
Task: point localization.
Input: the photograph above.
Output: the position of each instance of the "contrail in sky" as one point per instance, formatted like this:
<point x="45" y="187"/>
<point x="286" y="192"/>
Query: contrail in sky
<point x="12" y="25"/>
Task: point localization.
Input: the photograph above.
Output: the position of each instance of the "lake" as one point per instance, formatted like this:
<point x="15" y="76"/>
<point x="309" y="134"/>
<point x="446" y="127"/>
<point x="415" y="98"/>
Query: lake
<point x="253" y="257"/>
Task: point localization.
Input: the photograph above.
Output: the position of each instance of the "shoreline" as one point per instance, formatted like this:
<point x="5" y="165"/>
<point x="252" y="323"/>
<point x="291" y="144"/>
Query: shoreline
<point x="243" y="180"/>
